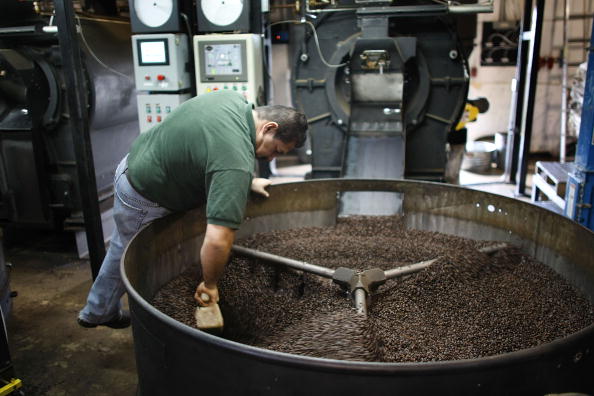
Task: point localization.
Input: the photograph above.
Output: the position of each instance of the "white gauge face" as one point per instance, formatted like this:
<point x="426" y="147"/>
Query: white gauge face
<point x="153" y="13"/>
<point x="222" y="12"/>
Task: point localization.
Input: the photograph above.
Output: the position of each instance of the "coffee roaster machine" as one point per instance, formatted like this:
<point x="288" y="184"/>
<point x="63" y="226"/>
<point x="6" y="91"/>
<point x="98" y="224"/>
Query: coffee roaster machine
<point x="168" y="351"/>
<point x="382" y="84"/>
<point x="39" y="184"/>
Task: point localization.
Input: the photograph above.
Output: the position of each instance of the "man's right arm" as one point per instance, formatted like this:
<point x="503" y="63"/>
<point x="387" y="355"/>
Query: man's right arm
<point x="214" y="254"/>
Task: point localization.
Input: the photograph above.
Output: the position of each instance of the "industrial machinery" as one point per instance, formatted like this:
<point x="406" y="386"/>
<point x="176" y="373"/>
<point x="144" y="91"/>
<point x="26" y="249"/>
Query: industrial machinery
<point x="230" y="61"/>
<point x="382" y="84"/>
<point x="168" y="351"/>
<point x="357" y="284"/>
<point x="162" y="75"/>
<point x="161" y="62"/>
<point x="162" y="57"/>
<point x="39" y="183"/>
<point x="153" y="108"/>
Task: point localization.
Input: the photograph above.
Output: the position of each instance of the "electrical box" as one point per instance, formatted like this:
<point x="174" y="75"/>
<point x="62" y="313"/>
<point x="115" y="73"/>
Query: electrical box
<point x="153" y="109"/>
<point x="161" y="62"/>
<point x="230" y="62"/>
<point x="499" y="44"/>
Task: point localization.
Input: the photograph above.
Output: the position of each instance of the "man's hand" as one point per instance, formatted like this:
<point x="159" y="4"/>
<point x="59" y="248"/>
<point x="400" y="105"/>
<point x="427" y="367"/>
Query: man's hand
<point x="259" y="185"/>
<point x="212" y="293"/>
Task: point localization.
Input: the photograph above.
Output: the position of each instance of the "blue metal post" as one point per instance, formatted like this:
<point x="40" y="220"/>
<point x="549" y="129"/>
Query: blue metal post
<point x="579" y="195"/>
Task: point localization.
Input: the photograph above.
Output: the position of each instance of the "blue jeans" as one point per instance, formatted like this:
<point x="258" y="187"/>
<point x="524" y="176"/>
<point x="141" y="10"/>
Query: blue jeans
<point x="130" y="211"/>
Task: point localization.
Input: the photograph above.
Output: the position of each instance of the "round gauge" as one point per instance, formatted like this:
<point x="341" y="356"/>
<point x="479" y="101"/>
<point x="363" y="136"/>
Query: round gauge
<point x="222" y="12"/>
<point x="153" y="13"/>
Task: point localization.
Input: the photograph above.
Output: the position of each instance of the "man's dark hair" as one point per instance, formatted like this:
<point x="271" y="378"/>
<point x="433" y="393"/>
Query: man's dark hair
<point x="292" y="124"/>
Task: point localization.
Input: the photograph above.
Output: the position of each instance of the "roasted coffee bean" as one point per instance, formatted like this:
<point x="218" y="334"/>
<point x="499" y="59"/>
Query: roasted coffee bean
<point x="467" y="305"/>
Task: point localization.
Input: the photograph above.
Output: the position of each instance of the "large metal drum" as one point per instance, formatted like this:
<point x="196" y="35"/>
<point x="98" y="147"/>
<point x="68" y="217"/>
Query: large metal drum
<point x="173" y="358"/>
<point x="38" y="178"/>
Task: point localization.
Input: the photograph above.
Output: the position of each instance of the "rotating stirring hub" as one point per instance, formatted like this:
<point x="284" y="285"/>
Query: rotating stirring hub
<point x="358" y="284"/>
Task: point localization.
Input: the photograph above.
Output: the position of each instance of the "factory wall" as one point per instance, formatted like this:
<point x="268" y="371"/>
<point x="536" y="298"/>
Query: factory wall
<point x="495" y="82"/>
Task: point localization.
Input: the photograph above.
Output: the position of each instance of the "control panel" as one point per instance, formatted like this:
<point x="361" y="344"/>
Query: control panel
<point x="230" y="62"/>
<point x="153" y="109"/>
<point x="161" y="62"/>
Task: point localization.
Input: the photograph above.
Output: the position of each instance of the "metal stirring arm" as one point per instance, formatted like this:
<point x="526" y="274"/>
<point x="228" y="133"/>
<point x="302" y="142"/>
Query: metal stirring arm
<point x="359" y="284"/>
<point x="273" y="258"/>
<point x="412" y="268"/>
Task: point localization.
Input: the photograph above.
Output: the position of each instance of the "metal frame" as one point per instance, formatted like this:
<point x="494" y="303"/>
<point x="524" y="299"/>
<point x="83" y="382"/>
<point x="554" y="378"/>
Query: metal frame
<point x="75" y="81"/>
<point x="530" y="94"/>
<point x="517" y="102"/>
<point x="580" y="190"/>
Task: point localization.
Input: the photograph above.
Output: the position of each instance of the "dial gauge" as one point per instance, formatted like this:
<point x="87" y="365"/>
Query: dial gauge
<point x="153" y="13"/>
<point x="222" y="12"/>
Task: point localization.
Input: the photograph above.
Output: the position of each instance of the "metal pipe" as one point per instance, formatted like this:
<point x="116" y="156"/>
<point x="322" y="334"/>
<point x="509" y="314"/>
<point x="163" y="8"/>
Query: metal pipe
<point x="412" y="268"/>
<point x="530" y="95"/>
<point x="476" y="8"/>
<point x="563" y="130"/>
<point x="471" y="8"/>
<point x="327" y="10"/>
<point x="77" y="102"/>
<point x="405" y="11"/>
<point x="18" y="29"/>
<point x="408" y="269"/>
<point x="574" y="16"/>
<point x="361" y="301"/>
<point x="273" y="258"/>
<point x="517" y="100"/>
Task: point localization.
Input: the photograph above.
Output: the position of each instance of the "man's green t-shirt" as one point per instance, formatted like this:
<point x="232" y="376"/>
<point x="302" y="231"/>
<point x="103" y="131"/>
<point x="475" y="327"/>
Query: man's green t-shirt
<point x="203" y="152"/>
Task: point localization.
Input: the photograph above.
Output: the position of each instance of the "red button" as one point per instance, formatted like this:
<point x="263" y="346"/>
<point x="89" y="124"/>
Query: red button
<point x="160" y="77"/>
<point x="147" y="77"/>
<point x="215" y="89"/>
<point x="158" y="118"/>
<point x="149" y="118"/>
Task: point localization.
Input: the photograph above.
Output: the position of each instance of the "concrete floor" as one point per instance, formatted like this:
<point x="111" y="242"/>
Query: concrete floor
<point x="51" y="354"/>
